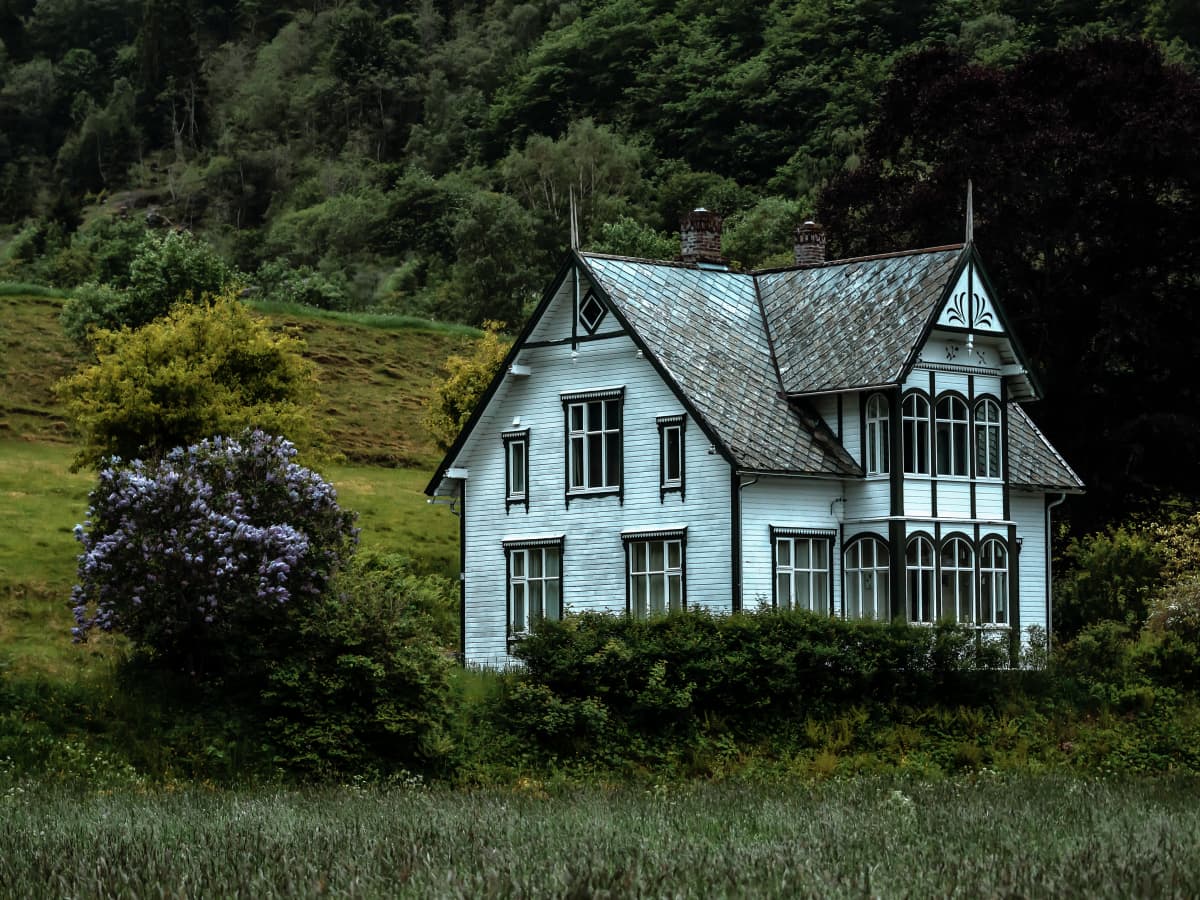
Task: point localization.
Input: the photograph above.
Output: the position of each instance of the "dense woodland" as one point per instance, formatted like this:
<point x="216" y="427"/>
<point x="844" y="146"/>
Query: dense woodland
<point x="418" y="157"/>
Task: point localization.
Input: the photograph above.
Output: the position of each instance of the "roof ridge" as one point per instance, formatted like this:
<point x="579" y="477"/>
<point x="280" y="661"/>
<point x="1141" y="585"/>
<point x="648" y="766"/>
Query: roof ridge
<point x="672" y="263"/>
<point x="856" y="259"/>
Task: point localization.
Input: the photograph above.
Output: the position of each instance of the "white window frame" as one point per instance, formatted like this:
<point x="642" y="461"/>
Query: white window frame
<point x="952" y="437"/>
<point x="868" y="577"/>
<point x="535" y="583"/>
<point x="802" y="587"/>
<point x="988" y="438"/>
<point x="956" y="585"/>
<point x="915" y="433"/>
<point x="669" y="481"/>
<point x="920" y="572"/>
<point x="585" y="437"/>
<point x="993" y="583"/>
<point x="516" y="460"/>
<point x="876" y="435"/>
<point x="649" y="578"/>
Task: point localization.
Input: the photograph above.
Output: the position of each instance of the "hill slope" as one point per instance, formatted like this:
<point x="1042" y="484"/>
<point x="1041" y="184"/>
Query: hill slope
<point x="375" y="378"/>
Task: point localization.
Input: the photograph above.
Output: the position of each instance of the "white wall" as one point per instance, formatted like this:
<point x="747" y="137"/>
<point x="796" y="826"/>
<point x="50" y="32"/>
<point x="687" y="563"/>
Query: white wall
<point x="593" y="556"/>
<point x="1029" y="512"/>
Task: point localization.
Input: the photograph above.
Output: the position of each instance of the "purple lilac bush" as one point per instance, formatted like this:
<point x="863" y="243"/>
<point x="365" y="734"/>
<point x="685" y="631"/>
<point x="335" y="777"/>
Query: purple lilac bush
<point x="203" y="557"/>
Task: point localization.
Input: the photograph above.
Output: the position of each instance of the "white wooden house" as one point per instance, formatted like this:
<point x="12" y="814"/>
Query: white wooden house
<point x="841" y="436"/>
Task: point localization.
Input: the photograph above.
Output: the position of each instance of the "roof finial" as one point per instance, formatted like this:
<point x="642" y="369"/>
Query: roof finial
<point x="574" y="221"/>
<point x="970" y="215"/>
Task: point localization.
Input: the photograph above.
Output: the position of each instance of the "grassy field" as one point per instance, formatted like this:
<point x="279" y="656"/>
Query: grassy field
<point x="986" y="836"/>
<point x="376" y="373"/>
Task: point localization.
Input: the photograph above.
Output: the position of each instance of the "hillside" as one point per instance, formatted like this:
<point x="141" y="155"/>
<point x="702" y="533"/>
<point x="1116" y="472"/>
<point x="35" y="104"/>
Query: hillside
<point x="376" y="374"/>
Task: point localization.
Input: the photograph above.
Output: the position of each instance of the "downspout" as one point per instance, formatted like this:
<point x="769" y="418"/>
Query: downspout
<point x="735" y="539"/>
<point x="1049" y="588"/>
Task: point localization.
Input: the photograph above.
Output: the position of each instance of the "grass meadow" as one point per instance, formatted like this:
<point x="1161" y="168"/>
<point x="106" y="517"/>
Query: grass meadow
<point x="983" y="836"/>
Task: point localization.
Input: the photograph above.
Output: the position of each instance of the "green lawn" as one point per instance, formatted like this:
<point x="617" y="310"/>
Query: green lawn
<point x="983" y="836"/>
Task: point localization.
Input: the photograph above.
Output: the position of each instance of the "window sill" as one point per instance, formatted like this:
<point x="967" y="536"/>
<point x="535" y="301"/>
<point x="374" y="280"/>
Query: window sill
<point x="593" y="492"/>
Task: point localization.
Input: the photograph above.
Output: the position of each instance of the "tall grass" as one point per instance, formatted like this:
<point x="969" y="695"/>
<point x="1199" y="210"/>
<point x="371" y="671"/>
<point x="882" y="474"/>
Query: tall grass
<point x="978" y="837"/>
<point x="26" y="289"/>
<point x="381" y="320"/>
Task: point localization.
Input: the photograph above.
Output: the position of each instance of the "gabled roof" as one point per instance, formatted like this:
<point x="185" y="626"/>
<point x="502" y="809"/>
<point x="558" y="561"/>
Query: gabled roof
<point x="851" y="324"/>
<point x="1032" y="461"/>
<point x="705" y="328"/>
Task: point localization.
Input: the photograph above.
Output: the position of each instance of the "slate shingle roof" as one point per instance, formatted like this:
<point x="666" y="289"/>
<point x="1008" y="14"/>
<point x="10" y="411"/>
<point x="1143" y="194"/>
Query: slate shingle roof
<point x="1032" y="461"/>
<point x="706" y="328"/>
<point x="854" y="323"/>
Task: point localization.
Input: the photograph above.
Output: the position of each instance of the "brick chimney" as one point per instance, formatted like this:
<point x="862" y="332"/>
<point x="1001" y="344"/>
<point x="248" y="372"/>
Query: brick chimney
<point x="700" y="237"/>
<point x="810" y="244"/>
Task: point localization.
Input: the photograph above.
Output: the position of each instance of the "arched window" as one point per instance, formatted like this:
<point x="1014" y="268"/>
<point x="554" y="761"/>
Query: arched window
<point x="958" y="580"/>
<point x="915" y="417"/>
<point x="951" y="436"/>
<point x="922" y="599"/>
<point x="993" y="583"/>
<point x="877" y="435"/>
<point x="987" y="439"/>
<point x="868" y="579"/>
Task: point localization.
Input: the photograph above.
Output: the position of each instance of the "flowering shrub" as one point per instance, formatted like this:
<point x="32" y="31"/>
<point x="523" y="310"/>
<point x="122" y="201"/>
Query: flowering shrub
<point x="203" y="557"/>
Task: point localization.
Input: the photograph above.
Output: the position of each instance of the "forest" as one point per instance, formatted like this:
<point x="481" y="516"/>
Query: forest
<point x="418" y="157"/>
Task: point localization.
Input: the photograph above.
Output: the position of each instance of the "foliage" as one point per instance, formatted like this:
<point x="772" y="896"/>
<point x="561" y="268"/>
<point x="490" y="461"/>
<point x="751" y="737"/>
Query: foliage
<point x="204" y="557"/>
<point x="1111" y="576"/>
<point x="1066" y="148"/>
<point x="277" y="282"/>
<point x="1176" y="609"/>
<point x="629" y="237"/>
<point x="467" y="377"/>
<point x="594" y="682"/>
<point x="165" y="269"/>
<point x="204" y="369"/>
<point x="364" y="686"/>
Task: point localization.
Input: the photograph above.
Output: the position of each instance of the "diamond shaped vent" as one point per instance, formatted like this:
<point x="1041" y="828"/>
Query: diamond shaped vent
<point x="591" y="313"/>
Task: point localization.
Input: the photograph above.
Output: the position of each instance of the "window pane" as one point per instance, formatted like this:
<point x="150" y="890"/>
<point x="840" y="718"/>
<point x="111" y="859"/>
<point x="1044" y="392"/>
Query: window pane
<point x="553" y="604"/>
<point x="804" y="590"/>
<point x="552" y="561"/>
<point x="535" y="564"/>
<point x="577" y="462"/>
<point x="612" y="460"/>
<point x="673" y="465"/>
<point x="802" y="554"/>
<point x="518" y="613"/>
<point x="595" y="416"/>
<point x="965" y="606"/>
<point x="639" y="596"/>
<point x="676" y="592"/>
<point x="535" y="601"/>
<point x="674" y="555"/>
<point x="577" y="417"/>
<point x="656" y="556"/>
<point x="517" y="467"/>
<point x="853" y="597"/>
<point x="783" y="590"/>
<point x="518" y="563"/>
<point x="783" y="552"/>
<point x="612" y="413"/>
<point x="595" y="446"/>
<point x="820" y="592"/>
<point x="658" y="594"/>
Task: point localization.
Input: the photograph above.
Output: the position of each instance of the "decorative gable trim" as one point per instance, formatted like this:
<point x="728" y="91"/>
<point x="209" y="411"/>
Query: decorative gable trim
<point x="969" y="258"/>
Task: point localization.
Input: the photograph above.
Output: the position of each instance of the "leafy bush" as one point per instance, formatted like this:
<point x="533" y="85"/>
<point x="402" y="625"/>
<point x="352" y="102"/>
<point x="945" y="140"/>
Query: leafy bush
<point x="667" y="677"/>
<point x="467" y="377"/>
<point x="1112" y="577"/>
<point x="165" y="269"/>
<point x="203" y="558"/>
<point x="365" y="685"/>
<point x="629" y="237"/>
<point x="212" y="368"/>
<point x="278" y="282"/>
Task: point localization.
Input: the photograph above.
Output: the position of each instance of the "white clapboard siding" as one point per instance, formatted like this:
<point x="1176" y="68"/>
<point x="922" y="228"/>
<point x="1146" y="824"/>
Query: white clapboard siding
<point x="989" y="500"/>
<point x="1029" y="512"/>
<point x="868" y="498"/>
<point x="784" y="503"/>
<point x="953" y="498"/>
<point x="594" y="572"/>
